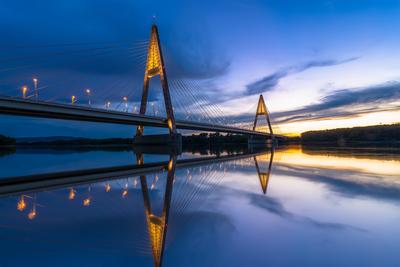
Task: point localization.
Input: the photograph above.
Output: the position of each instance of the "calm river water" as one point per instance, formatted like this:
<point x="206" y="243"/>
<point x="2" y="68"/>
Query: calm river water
<point x="290" y="207"/>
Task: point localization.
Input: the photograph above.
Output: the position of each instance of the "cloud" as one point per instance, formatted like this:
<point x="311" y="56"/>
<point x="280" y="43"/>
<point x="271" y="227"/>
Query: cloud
<point x="268" y="83"/>
<point x="198" y="63"/>
<point x="342" y="103"/>
<point x="346" y="103"/>
<point x="101" y="48"/>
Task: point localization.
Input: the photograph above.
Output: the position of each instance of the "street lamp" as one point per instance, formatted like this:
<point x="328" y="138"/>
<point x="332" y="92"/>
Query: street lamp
<point x="21" y="204"/>
<point x="126" y="102"/>
<point x="108" y="188"/>
<point x="88" y="93"/>
<point x="108" y="104"/>
<point x="72" y="193"/>
<point x="24" y="90"/>
<point x="35" y="86"/>
<point x="73" y="99"/>
<point x="32" y="214"/>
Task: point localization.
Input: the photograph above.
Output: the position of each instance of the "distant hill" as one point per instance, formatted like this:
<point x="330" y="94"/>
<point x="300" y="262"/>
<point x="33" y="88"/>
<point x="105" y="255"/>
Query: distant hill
<point x="369" y="134"/>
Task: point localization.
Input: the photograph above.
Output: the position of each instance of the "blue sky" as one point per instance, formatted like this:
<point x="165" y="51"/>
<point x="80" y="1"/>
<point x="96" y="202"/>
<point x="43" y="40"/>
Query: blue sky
<point x="319" y="64"/>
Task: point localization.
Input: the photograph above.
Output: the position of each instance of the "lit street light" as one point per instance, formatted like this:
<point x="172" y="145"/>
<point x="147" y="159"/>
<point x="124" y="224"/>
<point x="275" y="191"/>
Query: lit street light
<point x="108" y="104"/>
<point x="24" y="90"/>
<point x="71" y="195"/>
<point x="35" y="86"/>
<point x="108" y="188"/>
<point x="88" y="93"/>
<point x="73" y="100"/>
<point x="21" y="204"/>
<point x="32" y="214"/>
<point x="126" y="102"/>
<point x="86" y="201"/>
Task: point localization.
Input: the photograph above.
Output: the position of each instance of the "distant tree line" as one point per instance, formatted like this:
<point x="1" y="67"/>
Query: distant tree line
<point x="6" y="141"/>
<point x="377" y="133"/>
<point x="214" y="138"/>
<point x="214" y="143"/>
<point x="80" y="142"/>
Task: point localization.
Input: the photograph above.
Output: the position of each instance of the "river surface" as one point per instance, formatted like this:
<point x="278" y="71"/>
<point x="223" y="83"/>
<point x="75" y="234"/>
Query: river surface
<point x="289" y="207"/>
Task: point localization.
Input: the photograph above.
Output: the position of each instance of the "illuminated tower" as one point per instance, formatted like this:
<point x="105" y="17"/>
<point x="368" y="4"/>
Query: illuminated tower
<point x="154" y="67"/>
<point x="262" y="110"/>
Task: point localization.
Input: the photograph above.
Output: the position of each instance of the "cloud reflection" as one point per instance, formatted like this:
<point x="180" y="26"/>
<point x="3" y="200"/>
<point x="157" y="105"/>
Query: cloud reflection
<point x="274" y="206"/>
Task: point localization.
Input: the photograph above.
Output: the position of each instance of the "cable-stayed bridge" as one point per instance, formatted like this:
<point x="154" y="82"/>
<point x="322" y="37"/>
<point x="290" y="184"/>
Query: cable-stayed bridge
<point x="199" y="113"/>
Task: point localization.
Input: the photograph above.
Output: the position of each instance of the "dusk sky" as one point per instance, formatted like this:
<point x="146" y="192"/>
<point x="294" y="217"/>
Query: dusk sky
<point x="319" y="64"/>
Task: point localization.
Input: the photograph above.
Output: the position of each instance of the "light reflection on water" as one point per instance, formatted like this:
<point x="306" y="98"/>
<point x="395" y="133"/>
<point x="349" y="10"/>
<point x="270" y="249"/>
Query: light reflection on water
<point x="309" y="207"/>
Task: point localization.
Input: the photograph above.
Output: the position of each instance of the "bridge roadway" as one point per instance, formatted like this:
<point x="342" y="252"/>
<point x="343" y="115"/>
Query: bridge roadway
<point x="47" y="181"/>
<point x="33" y="108"/>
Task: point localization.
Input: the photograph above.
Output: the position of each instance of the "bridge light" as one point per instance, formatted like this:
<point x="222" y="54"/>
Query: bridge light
<point x="24" y="90"/>
<point x="88" y="93"/>
<point x="152" y="106"/>
<point x="108" y="104"/>
<point x="71" y="195"/>
<point x="32" y="214"/>
<point x="108" y="188"/>
<point x="125" y="192"/>
<point x="126" y="102"/>
<point x="86" y="201"/>
<point x="169" y="121"/>
<point x="21" y="205"/>
<point x="35" y="86"/>
<point x="170" y="165"/>
<point x="73" y="100"/>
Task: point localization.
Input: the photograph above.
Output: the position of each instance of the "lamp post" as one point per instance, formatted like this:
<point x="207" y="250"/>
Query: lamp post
<point x="108" y="104"/>
<point x="35" y="86"/>
<point x="73" y="99"/>
<point x="24" y="90"/>
<point x="88" y="93"/>
<point x="126" y="102"/>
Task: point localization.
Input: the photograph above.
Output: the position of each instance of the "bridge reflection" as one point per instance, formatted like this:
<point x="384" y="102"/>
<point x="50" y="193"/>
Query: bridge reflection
<point x="263" y="174"/>
<point x="193" y="173"/>
<point x="157" y="225"/>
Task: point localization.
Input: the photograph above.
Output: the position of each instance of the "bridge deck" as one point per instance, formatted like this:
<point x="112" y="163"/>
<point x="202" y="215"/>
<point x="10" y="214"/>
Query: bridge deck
<point x="25" y="107"/>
